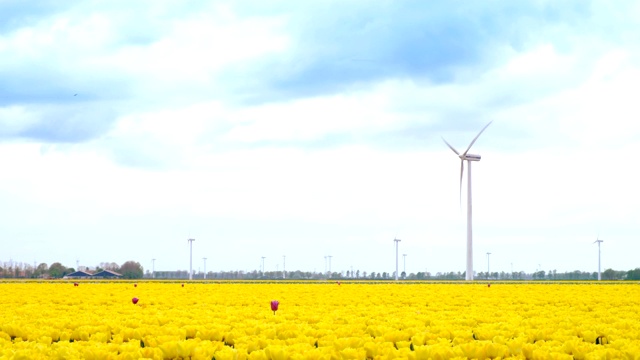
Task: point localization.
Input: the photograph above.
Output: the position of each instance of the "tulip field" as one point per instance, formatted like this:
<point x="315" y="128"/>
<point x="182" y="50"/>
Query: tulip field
<point x="319" y="320"/>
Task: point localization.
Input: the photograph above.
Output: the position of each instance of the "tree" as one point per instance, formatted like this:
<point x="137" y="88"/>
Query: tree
<point x="131" y="270"/>
<point x="633" y="274"/>
<point x="609" y="274"/>
<point x="57" y="270"/>
<point x="41" y="270"/>
<point x="109" y="266"/>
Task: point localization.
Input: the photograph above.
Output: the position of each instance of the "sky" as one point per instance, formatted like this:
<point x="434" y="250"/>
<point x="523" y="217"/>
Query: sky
<point x="297" y="130"/>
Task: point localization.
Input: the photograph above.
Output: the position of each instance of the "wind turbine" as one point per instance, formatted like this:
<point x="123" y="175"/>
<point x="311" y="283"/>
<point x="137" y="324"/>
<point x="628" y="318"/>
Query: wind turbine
<point x="205" y="268"/>
<point x="469" y="158"/>
<point x="191" y="240"/>
<point x="396" y="241"/>
<point x="598" y="241"/>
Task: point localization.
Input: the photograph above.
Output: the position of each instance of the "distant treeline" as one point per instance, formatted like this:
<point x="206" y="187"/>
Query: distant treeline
<point x="133" y="270"/>
<point x="608" y="274"/>
<point x="128" y="270"/>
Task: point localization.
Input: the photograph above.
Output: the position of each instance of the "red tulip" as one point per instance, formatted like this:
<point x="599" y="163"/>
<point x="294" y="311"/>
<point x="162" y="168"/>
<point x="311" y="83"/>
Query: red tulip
<point x="182" y="285"/>
<point x="134" y="300"/>
<point x="135" y="285"/>
<point x="274" y="306"/>
<point x="75" y="284"/>
<point x="488" y="285"/>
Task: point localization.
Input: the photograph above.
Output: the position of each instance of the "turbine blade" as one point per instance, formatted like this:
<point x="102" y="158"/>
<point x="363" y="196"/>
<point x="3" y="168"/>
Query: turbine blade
<point x="476" y="138"/>
<point x="451" y="147"/>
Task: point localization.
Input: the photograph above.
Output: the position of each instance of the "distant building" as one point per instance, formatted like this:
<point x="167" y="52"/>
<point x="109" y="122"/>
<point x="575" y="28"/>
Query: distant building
<point x="106" y="274"/>
<point x="78" y="275"/>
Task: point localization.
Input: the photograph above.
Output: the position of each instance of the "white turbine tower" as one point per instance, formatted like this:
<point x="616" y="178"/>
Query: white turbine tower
<point x="404" y="264"/>
<point x="598" y="241"/>
<point x="205" y="268"/>
<point x="396" y="241"/>
<point x="191" y="257"/>
<point x="469" y="158"/>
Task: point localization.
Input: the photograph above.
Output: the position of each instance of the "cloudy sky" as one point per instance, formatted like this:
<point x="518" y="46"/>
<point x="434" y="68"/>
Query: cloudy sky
<point x="307" y="129"/>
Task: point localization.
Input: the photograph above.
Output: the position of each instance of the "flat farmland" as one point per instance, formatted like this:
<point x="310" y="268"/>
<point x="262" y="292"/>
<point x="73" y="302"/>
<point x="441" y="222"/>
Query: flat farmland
<point x="319" y="320"/>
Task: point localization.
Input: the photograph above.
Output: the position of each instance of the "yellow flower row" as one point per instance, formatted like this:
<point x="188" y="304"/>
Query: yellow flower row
<point x="319" y="321"/>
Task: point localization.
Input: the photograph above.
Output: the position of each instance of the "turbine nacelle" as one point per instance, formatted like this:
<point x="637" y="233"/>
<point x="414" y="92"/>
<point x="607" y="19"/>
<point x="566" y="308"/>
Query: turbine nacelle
<point x="470" y="157"/>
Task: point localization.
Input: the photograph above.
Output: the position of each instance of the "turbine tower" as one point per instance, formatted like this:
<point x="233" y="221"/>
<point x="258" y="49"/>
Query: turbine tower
<point x="469" y="158"/>
<point x="598" y="241"/>
<point x="488" y="268"/>
<point x="396" y="241"/>
<point x="205" y="268"/>
<point x="153" y="268"/>
<point x="191" y="257"/>
<point x="404" y="263"/>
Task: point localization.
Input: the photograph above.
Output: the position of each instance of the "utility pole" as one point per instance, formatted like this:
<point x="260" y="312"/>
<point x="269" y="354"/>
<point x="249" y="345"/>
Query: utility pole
<point x="191" y="257"/>
<point x="205" y="267"/>
<point x="396" y="241"/>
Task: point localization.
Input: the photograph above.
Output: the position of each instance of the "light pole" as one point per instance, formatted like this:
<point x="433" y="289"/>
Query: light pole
<point x="488" y="271"/>
<point x="205" y="267"/>
<point x="404" y="263"/>
<point x="396" y="241"/>
<point x="191" y="258"/>
<point x="599" y="241"/>
<point x="284" y="262"/>
<point x="153" y="268"/>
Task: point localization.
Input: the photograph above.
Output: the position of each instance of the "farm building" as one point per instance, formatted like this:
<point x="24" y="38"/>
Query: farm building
<point x="106" y="274"/>
<point x="78" y="275"/>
